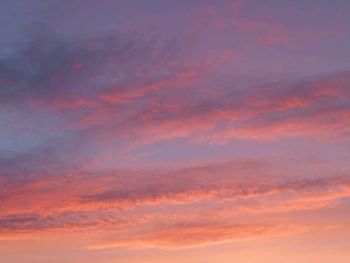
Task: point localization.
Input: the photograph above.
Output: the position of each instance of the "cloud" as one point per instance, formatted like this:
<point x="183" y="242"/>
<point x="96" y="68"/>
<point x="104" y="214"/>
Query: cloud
<point x="189" y="235"/>
<point x="263" y="28"/>
<point x="30" y="224"/>
<point x="106" y="90"/>
<point x="135" y="89"/>
<point x="81" y="96"/>
<point x="50" y="71"/>
<point x="302" y="108"/>
<point x="130" y="199"/>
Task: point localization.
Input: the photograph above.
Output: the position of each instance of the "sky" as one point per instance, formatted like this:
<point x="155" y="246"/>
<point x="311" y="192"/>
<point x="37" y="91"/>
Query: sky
<point x="168" y="131"/>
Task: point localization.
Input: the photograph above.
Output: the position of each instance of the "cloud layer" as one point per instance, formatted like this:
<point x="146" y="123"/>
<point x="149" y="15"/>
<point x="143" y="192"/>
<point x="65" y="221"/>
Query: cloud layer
<point x="178" y="126"/>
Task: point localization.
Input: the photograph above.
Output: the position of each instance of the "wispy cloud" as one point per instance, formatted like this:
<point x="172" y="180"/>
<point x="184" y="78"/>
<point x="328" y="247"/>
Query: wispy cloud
<point x="185" y="236"/>
<point x="125" y="199"/>
<point x="185" y="99"/>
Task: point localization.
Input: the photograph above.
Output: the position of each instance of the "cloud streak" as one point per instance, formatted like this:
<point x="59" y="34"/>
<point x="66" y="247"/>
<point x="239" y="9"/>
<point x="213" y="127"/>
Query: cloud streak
<point x="125" y="199"/>
<point x="133" y="90"/>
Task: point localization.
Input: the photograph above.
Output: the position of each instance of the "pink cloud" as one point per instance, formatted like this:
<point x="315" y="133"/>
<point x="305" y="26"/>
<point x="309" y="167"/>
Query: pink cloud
<point x="81" y="201"/>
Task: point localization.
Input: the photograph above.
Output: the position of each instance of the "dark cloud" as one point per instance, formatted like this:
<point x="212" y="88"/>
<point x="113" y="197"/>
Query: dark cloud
<point x="64" y="221"/>
<point x="45" y="67"/>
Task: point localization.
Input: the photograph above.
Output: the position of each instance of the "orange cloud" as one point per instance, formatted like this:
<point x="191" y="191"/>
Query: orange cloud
<point x="193" y="235"/>
<point x="82" y="201"/>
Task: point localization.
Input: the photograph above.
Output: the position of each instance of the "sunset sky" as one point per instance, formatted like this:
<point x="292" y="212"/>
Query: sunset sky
<point x="174" y="131"/>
